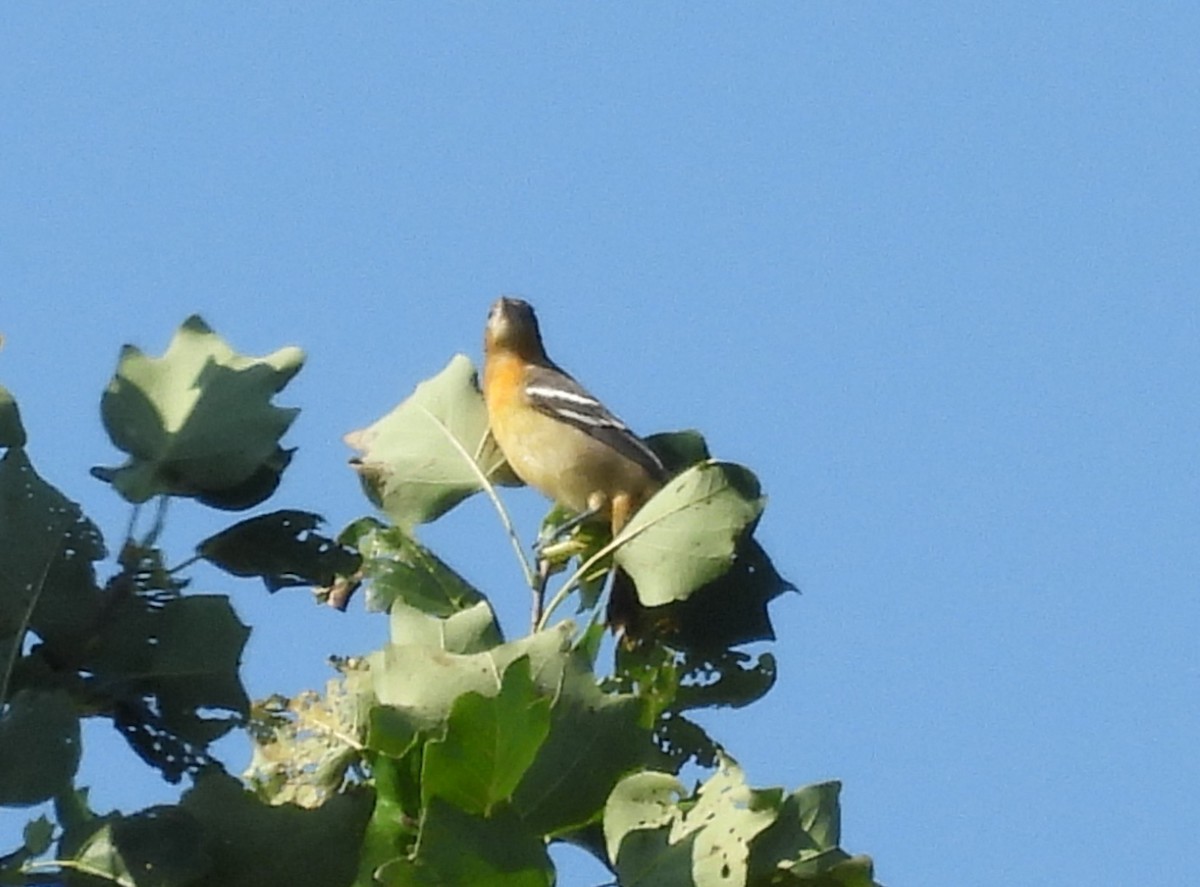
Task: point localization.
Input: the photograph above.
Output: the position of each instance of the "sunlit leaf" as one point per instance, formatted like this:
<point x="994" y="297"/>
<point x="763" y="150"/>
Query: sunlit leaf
<point x="427" y="455"/>
<point x="472" y="630"/>
<point x="646" y="800"/>
<point x="687" y="534"/>
<point x="728" y="833"/>
<point x="489" y="743"/>
<point x="421" y="682"/>
<point x="198" y="421"/>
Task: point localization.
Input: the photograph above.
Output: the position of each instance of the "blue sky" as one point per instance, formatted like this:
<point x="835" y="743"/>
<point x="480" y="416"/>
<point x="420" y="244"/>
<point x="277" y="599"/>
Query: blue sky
<point x="931" y="272"/>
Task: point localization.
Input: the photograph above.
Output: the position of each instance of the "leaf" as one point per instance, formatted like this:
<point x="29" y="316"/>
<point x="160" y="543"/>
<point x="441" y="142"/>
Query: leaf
<point x="720" y="823"/>
<point x="730" y="834"/>
<point x="646" y="800"/>
<point x="731" y="678"/>
<point x="282" y="548"/>
<point x="473" y="630"/>
<point x="430" y="452"/>
<point x="258" y="845"/>
<point x="457" y="848"/>
<point x="304" y="746"/>
<point x="421" y="682"/>
<point x="399" y="568"/>
<point x="39" y="747"/>
<point x="801" y="847"/>
<point x="726" y="816"/>
<point x="731" y="609"/>
<point x="687" y="534"/>
<point x="678" y="450"/>
<point x="47" y="547"/>
<point x="157" y="847"/>
<point x="12" y="432"/>
<point x="37" y="836"/>
<point x="171" y="668"/>
<point x="595" y="738"/>
<point x="198" y="421"/>
<point x="489" y="743"/>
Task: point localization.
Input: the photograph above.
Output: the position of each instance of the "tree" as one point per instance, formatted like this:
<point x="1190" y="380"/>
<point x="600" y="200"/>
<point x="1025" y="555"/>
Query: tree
<point x="450" y="756"/>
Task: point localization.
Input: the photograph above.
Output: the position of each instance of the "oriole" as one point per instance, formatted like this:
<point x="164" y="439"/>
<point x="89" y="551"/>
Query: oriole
<point x="558" y="438"/>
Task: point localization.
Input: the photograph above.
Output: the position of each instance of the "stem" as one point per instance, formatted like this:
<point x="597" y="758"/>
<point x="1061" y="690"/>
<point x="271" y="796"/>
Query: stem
<point x="183" y="566"/>
<point x="488" y="488"/>
<point x="160" y="520"/>
<point x="133" y="516"/>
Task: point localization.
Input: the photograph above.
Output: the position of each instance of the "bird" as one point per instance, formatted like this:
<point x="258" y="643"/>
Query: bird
<point x="561" y="440"/>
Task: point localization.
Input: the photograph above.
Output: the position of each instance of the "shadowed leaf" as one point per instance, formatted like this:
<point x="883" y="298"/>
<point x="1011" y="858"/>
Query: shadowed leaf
<point x="39" y="747"/>
<point x="47" y="547"/>
<point x="12" y="432"/>
<point x="281" y="548"/>
<point x="276" y="846"/>
<point x="457" y="848"/>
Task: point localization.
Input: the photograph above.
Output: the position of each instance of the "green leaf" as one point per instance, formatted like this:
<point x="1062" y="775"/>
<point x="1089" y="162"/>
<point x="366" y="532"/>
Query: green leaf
<point x="457" y="848"/>
<point x="678" y="450"/>
<point x="801" y="847"/>
<point x="182" y="656"/>
<point x="688" y="533"/>
<point x="37" y="836"/>
<point x="253" y="844"/>
<point x="721" y="822"/>
<point x="646" y="800"/>
<point x="47" y="547"/>
<point x="399" y="568"/>
<point x="12" y="432"/>
<point x="473" y="630"/>
<point x="39" y="747"/>
<point x="429" y="453"/>
<point x="198" y="421"/>
<point x="282" y="548"/>
<point x="422" y="681"/>
<point x="158" y="847"/>
<point x="489" y="743"/>
<point x="595" y="738"/>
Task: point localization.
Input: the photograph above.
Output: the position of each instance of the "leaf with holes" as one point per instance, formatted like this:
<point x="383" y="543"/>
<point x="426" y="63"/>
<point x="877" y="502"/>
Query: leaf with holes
<point x="281" y="548"/>
<point x="47" y="549"/>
